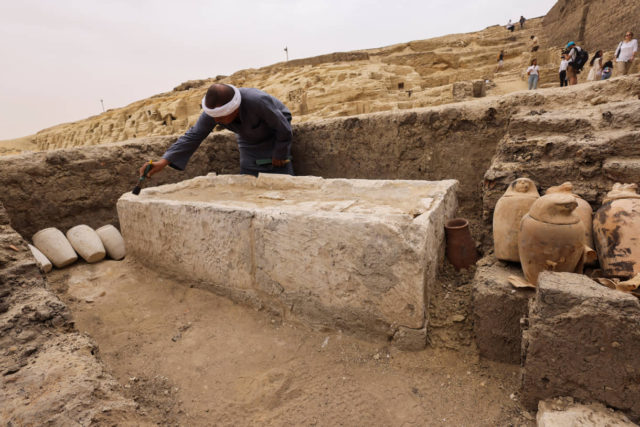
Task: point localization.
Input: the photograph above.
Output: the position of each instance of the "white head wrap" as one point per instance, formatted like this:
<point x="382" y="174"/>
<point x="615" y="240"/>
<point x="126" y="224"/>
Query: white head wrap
<point x="226" y="109"/>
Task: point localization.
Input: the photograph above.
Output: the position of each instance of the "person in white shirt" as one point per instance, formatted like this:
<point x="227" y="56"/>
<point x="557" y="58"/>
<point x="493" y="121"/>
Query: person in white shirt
<point x="510" y="26"/>
<point x="534" y="74"/>
<point x="562" y="71"/>
<point x="626" y="53"/>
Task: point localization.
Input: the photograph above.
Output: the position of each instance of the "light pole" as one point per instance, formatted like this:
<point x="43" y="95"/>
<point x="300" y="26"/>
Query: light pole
<point x="102" y="103"/>
<point x="286" y="52"/>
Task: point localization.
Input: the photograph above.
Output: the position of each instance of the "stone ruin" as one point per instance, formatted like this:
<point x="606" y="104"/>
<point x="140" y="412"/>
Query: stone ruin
<point x="360" y="254"/>
<point x="386" y="188"/>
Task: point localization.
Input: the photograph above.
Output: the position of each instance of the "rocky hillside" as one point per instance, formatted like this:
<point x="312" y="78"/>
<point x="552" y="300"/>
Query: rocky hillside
<point x="595" y="24"/>
<point x="409" y="75"/>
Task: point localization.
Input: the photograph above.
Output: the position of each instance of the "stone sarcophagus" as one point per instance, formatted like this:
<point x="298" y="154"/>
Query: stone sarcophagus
<point x="351" y="254"/>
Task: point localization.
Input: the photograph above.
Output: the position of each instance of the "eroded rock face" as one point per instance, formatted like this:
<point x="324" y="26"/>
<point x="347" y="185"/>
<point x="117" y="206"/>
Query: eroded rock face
<point x="353" y="254"/>
<point x="50" y="372"/>
<point x="583" y="341"/>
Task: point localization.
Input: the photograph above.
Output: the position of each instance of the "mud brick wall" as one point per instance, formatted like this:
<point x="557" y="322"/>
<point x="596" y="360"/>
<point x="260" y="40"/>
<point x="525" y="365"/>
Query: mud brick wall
<point x="583" y="341"/>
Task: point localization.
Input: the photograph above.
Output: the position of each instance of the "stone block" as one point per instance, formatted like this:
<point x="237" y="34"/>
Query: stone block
<point x="583" y="341"/>
<point x="462" y="90"/>
<point x="498" y="309"/>
<point x="563" y="412"/>
<point x="479" y="88"/>
<point x="351" y="254"/>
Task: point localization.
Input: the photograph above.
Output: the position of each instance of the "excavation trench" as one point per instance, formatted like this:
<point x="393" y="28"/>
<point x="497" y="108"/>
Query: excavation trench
<point x="183" y="355"/>
<point x="189" y="357"/>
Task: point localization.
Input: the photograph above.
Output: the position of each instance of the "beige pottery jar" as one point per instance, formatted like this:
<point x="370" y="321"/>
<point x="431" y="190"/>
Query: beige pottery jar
<point x="86" y="242"/>
<point x="583" y="211"/>
<point x="510" y="209"/>
<point x="112" y="241"/>
<point x="616" y="228"/>
<point x="551" y="236"/>
<point x="42" y="261"/>
<point x="52" y="243"/>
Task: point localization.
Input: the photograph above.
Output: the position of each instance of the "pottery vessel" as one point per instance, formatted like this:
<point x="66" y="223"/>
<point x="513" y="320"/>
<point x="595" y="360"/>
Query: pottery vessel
<point x="112" y="241"/>
<point x="551" y="237"/>
<point x="583" y="211"/>
<point x="616" y="227"/>
<point x="42" y="261"/>
<point x="86" y="242"/>
<point x="461" y="248"/>
<point x="510" y="209"/>
<point x="52" y="243"/>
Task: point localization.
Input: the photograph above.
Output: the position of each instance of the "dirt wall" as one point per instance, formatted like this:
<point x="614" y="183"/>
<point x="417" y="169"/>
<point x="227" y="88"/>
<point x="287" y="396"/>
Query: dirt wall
<point x="50" y="372"/>
<point x="71" y="186"/>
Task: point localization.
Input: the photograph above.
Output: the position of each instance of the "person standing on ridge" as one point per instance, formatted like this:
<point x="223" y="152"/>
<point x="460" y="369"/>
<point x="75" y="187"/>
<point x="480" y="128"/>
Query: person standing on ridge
<point x="596" y="67"/>
<point x="574" y="67"/>
<point x="262" y="124"/>
<point x="626" y="53"/>
<point x="522" y="20"/>
<point x="534" y="44"/>
<point x="500" y="61"/>
<point x="562" y="70"/>
<point x="534" y="74"/>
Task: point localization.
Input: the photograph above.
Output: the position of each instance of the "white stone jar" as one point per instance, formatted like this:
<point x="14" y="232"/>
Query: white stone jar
<point x="52" y="243"/>
<point x="43" y="261"/>
<point x="86" y="242"/>
<point x="112" y="241"/>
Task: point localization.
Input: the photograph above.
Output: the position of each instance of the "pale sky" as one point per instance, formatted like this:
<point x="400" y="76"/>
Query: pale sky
<point x="58" y="58"/>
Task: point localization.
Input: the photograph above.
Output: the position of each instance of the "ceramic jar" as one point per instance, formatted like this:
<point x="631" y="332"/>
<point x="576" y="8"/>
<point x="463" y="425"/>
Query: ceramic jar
<point x="42" y="261"/>
<point x="551" y="237"/>
<point x="583" y="211"/>
<point x="461" y="248"/>
<point x="86" y="242"/>
<point x="112" y="241"/>
<point x="616" y="228"/>
<point x="510" y="209"/>
<point x="52" y="243"/>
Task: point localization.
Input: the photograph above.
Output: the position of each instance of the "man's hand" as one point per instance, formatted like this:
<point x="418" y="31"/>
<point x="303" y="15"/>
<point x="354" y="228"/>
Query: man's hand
<point x="156" y="167"/>
<point x="278" y="162"/>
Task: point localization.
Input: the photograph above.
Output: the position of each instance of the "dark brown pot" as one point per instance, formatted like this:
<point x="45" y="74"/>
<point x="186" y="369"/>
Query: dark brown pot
<point x="461" y="248"/>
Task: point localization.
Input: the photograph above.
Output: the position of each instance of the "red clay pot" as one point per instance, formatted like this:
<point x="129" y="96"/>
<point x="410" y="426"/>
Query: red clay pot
<point x="461" y="248"/>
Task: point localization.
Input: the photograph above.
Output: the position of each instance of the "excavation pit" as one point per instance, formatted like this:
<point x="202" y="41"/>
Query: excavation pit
<point x="357" y="255"/>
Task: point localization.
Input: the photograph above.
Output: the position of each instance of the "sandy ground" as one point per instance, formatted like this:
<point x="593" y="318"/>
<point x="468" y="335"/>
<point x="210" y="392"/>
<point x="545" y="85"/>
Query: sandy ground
<point x="16" y="146"/>
<point x="189" y="357"/>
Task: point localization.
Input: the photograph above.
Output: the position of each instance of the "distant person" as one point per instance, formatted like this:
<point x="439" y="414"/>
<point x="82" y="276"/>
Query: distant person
<point x="595" y="73"/>
<point x="261" y="122"/>
<point x="534" y="44"/>
<point x="510" y="26"/>
<point x="607" y="70"/>
<point x="500" y="61"/>
<point x="522" y="20"/>
<point x="626" y="53"/>
<point x="534" y="74"/>
<point x="577" y="58"/>
<point x="562" y="71"/>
